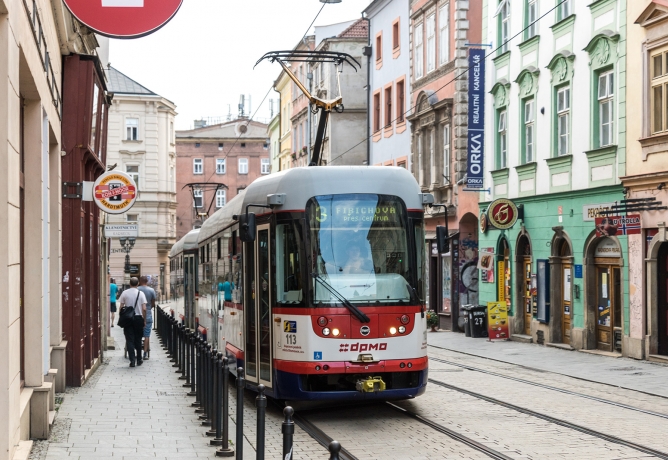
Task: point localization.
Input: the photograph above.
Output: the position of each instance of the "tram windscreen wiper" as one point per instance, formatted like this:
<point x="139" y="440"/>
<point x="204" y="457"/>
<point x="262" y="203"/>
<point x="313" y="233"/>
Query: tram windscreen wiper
<point x="359" y="314"/>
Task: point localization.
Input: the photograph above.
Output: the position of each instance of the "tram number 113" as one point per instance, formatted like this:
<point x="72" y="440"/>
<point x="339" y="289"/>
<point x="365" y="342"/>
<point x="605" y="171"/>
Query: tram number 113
<point x="291" y="339"/>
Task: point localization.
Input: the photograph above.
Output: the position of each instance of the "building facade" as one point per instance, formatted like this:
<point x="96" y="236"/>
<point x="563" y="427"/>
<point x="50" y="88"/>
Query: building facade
<point x="142" y="143"/>
<point x="389" y="83"/>
<point x="555" y="145"/>
<point x="274" y="136"/>
<point x="283" y="85"/>
<point x="438" y="33"/>
<point x="231" y="154"/>
<point x="300" y="118"/>
<point x="646" y="178"/>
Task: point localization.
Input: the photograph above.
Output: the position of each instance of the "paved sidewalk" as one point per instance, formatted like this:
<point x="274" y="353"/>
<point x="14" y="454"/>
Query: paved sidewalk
<point x="129" y="413"/>
<point x="622" y="372"/>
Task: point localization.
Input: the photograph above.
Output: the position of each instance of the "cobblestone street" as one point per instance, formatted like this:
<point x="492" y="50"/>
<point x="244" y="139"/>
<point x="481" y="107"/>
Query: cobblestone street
<point x="490" y="404"/>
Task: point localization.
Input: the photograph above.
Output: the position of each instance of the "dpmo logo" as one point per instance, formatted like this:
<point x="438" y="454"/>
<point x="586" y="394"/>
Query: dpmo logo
<point x="380" y="346"/>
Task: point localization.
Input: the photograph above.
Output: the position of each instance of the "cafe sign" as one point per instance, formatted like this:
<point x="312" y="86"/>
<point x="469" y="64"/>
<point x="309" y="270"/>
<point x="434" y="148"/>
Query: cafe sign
<point x="502" y="213"/>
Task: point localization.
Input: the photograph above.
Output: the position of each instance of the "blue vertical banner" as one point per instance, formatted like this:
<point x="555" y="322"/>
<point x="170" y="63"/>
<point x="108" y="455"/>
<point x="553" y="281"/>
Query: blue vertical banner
<point x="475" y="170"/>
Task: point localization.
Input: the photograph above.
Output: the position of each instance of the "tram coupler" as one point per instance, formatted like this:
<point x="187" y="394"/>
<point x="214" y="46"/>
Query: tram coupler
<point x="370" y="385"/>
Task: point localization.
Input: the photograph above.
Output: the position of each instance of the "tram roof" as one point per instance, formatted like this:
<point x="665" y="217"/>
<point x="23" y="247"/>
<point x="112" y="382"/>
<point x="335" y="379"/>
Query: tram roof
<point x="189" y="241"/>
<point x="301" y="184"/>
<point x="222" y="218"/>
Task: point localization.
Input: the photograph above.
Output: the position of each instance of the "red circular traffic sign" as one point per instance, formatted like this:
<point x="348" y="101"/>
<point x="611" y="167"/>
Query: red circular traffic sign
<point x="124" y="18"/>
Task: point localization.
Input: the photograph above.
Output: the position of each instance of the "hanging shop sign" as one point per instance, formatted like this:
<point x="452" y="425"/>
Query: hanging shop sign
<point x="618" y="225"/>
<point x="483" y="223"/>
<point x="121" y="231"/>
<point x="124" y="18"/>
<point x="608" y="248"/>
<point x="114" y="192"/>
<point x="476" y="126"/>
<point x="502" y="213"/>
<point x="497" y="320"/>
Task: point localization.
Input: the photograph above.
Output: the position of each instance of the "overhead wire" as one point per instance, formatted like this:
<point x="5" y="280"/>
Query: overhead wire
<point x="457" y="77"/>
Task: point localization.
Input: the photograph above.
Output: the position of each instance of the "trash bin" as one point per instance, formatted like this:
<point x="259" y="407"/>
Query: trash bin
<point x="464" y="312"/>
<point x="478" y="321"/>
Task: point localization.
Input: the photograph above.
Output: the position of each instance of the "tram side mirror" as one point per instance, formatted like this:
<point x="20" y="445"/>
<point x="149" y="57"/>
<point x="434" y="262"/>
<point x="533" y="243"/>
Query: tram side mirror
<point x="442" y="240"/>
<point x="247" y="227"/>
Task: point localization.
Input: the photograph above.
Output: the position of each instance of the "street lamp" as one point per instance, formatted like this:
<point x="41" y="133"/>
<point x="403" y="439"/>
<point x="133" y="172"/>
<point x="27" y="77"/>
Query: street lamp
<point x="127" y="244"/>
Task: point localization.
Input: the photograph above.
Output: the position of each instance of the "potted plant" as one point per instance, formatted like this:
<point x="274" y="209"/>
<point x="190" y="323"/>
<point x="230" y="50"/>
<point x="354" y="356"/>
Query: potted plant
<point x="294" y="155"/>
<point x="432" y="320"/>
<point x="303" y="151"/>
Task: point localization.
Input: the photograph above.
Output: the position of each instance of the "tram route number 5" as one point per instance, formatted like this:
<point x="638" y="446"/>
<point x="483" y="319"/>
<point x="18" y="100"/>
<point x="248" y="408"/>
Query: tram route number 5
<point x="291" y="339"/>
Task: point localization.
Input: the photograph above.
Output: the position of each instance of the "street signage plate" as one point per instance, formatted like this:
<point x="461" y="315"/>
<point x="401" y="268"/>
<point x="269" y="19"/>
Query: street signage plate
<point x="115" y="192"/>
<point x="124" y="18"/>
<point x="591" y="211"/>
<point x="475" y="171"/>
<point x="121" y="231"/>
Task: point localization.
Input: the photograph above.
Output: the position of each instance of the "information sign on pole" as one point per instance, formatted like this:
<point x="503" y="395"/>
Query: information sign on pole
<point x="121" y="231"/>
<point x="475" y="171"/>
<point x="124" y="18"/>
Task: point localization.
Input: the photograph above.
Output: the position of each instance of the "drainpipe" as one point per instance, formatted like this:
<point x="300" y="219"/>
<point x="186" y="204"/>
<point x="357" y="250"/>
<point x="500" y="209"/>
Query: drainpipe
<point x="367" y="53"/>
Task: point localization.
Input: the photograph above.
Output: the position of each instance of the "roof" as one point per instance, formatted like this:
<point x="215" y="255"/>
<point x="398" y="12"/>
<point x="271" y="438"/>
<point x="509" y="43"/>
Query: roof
<point x="189" y="241"/>
<point x="227" y="130"/>
<point x="359" y="29"/>
<point x="119" y="83"/>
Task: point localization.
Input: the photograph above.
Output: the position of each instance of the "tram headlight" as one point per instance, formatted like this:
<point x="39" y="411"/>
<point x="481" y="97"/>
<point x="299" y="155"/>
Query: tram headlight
<point x="393" y="330"/>
<point x="402" y="329"/>
<point x="405" y="319"/>
<point x="325" y="331"/>
<point x="322" y="321"/>
<point x="335" y="332"/>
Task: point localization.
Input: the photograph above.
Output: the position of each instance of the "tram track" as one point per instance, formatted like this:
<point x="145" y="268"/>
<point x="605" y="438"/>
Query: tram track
<point x="550" y="387"/>
<point x="320" y="436"/>
<point x="554" y="420"/>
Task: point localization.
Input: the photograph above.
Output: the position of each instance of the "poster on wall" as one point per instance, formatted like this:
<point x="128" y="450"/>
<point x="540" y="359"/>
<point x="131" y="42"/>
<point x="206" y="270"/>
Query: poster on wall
<point x="476" y="127"/>
<point x="447" y="284"/>
<point x="618" y="225"/>
<point x="497" y="320"/>
<point x="486" y="264"/>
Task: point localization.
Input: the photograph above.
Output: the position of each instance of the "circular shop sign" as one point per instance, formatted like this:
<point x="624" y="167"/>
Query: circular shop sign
<point x="502" y="213"/>
<point x="114" y="192"/>
<point x="124" y="18"/>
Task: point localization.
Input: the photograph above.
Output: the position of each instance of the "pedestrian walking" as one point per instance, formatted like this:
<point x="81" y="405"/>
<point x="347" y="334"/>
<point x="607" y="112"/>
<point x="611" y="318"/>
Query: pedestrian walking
<point x="113" y="290"/>
<point x="150" y="295"/>
<point x="135" y="330"/>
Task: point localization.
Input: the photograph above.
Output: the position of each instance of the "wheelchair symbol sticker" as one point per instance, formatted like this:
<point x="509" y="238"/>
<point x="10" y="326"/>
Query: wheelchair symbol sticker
<point x="317" y="355"/>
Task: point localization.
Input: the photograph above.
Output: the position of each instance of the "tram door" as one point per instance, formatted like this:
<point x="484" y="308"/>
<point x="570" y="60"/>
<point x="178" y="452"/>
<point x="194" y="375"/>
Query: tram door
<point x="257" y="309"/>
<point x="189" y="267"/>
<point x="608" y="318"/>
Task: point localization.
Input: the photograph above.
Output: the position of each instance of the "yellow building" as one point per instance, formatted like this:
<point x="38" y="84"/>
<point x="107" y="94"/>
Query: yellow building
<point x="647" y="176"/>
<point x="283" y="85"/>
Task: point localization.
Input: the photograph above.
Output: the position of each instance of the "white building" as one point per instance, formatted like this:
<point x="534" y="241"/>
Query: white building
<point x="141" y="142"/>
<point x="388" y="81"/>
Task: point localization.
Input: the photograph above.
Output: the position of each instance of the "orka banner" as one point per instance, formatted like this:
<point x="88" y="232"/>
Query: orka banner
<point x="476" y="128"/>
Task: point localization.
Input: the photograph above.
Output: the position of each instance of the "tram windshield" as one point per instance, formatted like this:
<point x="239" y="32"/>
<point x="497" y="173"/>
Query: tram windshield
<point x="359" y="245"/>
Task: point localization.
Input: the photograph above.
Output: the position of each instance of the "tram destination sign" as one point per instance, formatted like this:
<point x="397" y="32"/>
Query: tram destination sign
<point x="121" y="231"/>
<point x="476" y="128"/>
<point x="124" y="18"/>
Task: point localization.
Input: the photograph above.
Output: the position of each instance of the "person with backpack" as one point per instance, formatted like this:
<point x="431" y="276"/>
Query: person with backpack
<point x="134" y="330"/>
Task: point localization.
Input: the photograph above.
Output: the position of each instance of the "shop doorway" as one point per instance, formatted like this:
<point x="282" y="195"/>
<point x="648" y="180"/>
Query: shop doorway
<point x="524" y="267"/>
<point x="662" y="284"/>
<point x="608" y="314"/>
<point x="567" y="291"/>
<point x="503" y="273"/>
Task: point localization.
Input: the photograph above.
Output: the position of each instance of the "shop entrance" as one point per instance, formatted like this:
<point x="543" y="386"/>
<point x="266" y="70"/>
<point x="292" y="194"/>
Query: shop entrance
<point x="662" y="284"/>
<point x="524" y="267"/>
<point x="567" y="291"/>
<point x="608" y="315"/>
<point x="503" y="273"/>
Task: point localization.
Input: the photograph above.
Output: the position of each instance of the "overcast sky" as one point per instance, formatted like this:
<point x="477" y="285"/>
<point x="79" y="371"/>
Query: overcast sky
<point x="203" y="59"/>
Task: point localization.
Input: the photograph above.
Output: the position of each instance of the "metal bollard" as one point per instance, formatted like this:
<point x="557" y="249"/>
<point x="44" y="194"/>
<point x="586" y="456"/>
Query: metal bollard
<point x="197" y="375"/>
<point x="217" y="403"/>
<point x="186" y="344"/>
<point x="288" y="430"/>
<point x="206" y="401"/>
<point x="192" y="364"/>
<point x="212" y="392"/>
<point x="179" y="342"/>
<point x="240" y="413"/>
<point x="261" y="404"/>
<point x="175" y="342"/>
<point x="225" y="450"/>
<point x="334" y="449"/>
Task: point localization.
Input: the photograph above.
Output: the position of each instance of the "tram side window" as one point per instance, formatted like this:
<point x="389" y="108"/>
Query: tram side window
<point x="288" y="268"/>
<point x="420" y="256"/>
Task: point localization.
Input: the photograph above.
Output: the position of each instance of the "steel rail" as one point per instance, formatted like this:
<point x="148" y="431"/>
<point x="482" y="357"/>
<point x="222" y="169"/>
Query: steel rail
<point x="556" y="421"/>
<point x="549" y="387"/>
<point x="320" y="436"/>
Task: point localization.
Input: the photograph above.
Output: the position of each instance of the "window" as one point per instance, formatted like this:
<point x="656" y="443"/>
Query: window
<point x="265" y="165"/>
<point x="197" y="145"/>
<point x="220" y="146"/>
<point x="503" y="12"/>
<point x="606" y="121"/>
<point x="243" y="165"/>
<point x="288" y="264"/>
<point x="419" y="54"/>
<point x="432" y="157"/>
<point x="503" y="140"/>
<point x="446" y="152"/>
<point x="243" y="145"/>
<point x="528" y="130"/>
<point x="171" y="132"/>
<point x="199" y="198"/>
<point x="220" y="198"/>
<point x="376" y="112"/>
<point x="659" y="91"/>
<point x="220" y="165"/>
<point x="198" y="166"/>
<point x="431" y="43"/>
<point x="563" y="120"/>
<point x="388" y="107"/>
<point x="531" y="15"/>
<point x="379" y="47"/>
<point x="133" y="171"/>
<point x="444" y="34"/>
<point x="395" y="35"/>
<point x="132" y="217"/>
<point x="401" y="104"/>
<point x="564" y="10"/>
<point x="132" y="129"/>
<point x="420" y="159"/>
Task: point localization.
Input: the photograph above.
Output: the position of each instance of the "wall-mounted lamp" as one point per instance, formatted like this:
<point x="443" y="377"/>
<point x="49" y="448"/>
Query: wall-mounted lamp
<point x="661" y="186"/>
